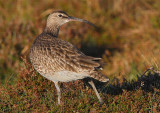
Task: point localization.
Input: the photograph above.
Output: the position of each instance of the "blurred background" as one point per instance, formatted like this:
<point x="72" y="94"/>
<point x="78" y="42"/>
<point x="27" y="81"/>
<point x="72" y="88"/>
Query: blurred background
<point x="128" y="38"/>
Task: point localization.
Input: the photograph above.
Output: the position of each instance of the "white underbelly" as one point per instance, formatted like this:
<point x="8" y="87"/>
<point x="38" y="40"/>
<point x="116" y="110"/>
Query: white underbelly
<point x="66" y="76"/>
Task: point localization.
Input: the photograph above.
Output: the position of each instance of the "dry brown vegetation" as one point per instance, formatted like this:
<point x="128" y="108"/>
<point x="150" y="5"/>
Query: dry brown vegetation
<point x="128" y="40"/>
<point x="34" y="93"/>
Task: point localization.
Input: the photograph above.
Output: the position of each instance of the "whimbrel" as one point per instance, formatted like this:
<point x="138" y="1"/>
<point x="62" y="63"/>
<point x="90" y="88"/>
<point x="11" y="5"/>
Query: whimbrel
<point x="59" y="60"/>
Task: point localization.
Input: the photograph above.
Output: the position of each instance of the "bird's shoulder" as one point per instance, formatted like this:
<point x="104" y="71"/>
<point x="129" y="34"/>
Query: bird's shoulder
<point x="54" y="44"/>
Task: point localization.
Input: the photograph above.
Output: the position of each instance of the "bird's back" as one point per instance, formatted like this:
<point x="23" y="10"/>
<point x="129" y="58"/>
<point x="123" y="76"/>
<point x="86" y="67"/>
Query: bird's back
<point x="50" y="55"/>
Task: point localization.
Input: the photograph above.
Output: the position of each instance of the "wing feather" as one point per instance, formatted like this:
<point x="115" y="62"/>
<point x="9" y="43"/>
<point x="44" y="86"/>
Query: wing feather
<point x="75" y="60"/>
<point x="68" y="57"/>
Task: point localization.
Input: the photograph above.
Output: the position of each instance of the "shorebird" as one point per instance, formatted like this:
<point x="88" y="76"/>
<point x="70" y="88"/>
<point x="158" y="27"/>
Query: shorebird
<point x="59" y="60"/>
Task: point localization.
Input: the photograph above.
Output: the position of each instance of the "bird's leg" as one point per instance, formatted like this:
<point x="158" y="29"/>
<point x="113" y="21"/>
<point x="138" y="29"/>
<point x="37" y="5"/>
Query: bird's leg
<point x="58" y="92"/>
<point x="95" y="90"/>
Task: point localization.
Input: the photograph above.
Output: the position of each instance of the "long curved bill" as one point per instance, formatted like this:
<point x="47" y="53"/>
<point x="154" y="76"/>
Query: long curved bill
<point x="81" y="20"/>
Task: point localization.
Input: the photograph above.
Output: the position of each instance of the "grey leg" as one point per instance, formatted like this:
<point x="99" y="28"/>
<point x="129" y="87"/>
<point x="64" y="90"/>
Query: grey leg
<point x="58" y="92"/>
<point x="95" y="90"/>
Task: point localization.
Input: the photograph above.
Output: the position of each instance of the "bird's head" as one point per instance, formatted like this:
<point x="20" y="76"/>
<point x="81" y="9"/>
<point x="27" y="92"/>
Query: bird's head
<point x="59" y="18"/>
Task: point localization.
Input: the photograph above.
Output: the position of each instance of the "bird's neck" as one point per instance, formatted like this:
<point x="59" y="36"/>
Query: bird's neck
<point x="52" y="30"/>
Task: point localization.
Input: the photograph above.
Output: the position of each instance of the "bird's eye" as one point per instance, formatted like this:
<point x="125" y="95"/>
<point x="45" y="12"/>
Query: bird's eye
<point x="60" y="15"/>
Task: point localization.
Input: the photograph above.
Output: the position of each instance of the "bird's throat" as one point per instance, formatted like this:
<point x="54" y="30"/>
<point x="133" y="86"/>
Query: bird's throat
<point x="52" y="30"/>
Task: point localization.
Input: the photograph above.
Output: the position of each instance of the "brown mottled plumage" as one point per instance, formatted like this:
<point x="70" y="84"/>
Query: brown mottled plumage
<point x="58" y="60"/>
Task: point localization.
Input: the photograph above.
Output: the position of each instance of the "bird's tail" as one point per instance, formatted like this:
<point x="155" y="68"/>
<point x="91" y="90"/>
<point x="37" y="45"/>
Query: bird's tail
<point x="99" y="76"/>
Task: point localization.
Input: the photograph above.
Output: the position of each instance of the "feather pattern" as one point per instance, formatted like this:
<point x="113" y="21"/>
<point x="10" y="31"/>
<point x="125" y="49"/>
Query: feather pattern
<point x="60" y="55"/>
